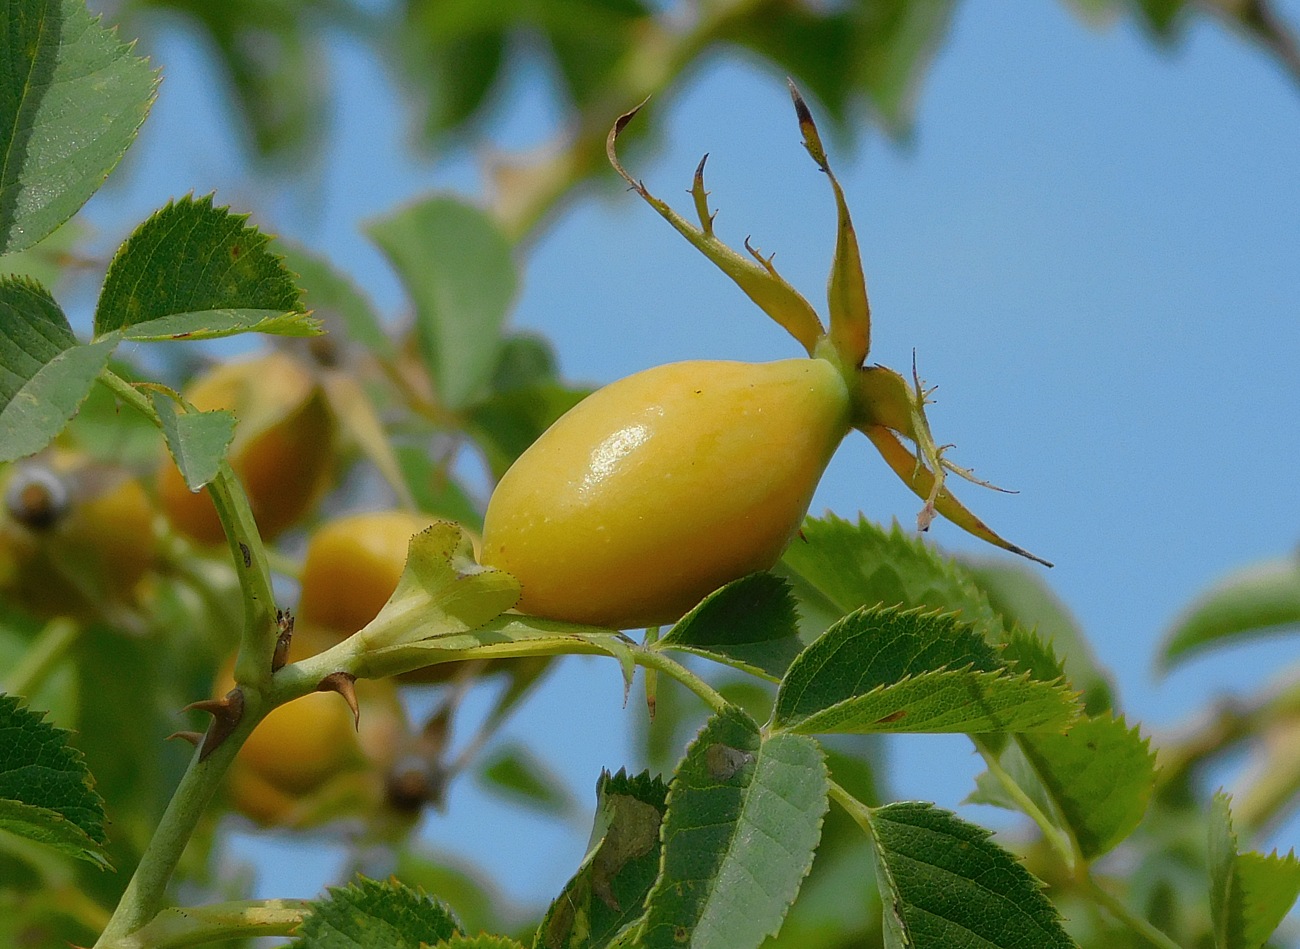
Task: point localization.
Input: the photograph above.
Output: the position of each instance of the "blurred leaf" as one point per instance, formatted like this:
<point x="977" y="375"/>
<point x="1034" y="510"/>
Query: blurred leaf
<point x="458" y="269"/>
<point x="814" y="45"/>
<point x="896" y="41"/>
<point x="104" y="431"/>
<point x="886" y="670"/>
<point x="336" y="302"/>
<point x="744" y="818"/>
<point x="589" y="38"/>
<point x="46" y="261"/>
<point x="1249" y="893"/>
<point x="46" y="792"/>
<point x="197" y="440"/>
<point x="71" y="101"/>
<point x="481" y="941"/>
<point x="476" y="901"/>
<point x="44" y="373"/>
<point x="1162" y="15"/>
<point x="944" y="882"/>
<point x="368" y="914"/>
<point x="750" y="623"/>
<point x="1094" y="782"/>
<point x="609" y="889"/>
<point x="1259" y="600"/>
<point x="434" y="489"/>
<point x="506" y="423"/>
<point x="453" y="52"/>
<point x="525" y="360"/>
<point x="194" y="271"/>
<point x="1024" y="599"/>
<point x="515" y="772"/>
<point x="838" y="567"/>
<point x="56" y="691"/>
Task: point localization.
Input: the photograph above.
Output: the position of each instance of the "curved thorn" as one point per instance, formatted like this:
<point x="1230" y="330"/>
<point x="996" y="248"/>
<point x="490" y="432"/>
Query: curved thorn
<point x="344" y="684"/>
<point x="226" y="713"/>
<point x="194" y="738"/>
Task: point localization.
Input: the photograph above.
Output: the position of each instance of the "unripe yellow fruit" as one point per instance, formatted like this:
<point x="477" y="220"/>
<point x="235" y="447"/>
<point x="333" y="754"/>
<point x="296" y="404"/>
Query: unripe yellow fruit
<point x="660" y="488"/>
<point x="283" y="450"/>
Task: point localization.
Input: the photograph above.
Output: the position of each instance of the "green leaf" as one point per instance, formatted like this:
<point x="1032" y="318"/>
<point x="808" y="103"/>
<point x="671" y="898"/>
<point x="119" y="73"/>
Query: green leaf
<point x="945" y="883"/>
<point x="45" y="374"/>
<point x="744" y="818"/>
<point x="197" y="440"/>
<point x="337" y="302"/>
<point x="368" y="914"/>
<point x="908" y="671"/>
<point x="458" y="269"/>
<point x="516" y="773"/>
<point x="435" y="489"/>
<point x="838" y="567"/>
<point x="1024" y="599"/>
<point x="751" y="623"/>
<point x="1250" y="893"/>
<point x="194" y="271"/>
<point x="71" y="101"/>
<point x="443" y="590"/>
<point x="1094" y="782"/>
<point x="1259" y="600"/>
<point x="897" y="39"/>
<point x="46" y="261"/>
<point x="609" y="890"/>
<point x="525" y="359"/>
<point x="46" y="793"/>
<point x="481" y="941"/>
<point x="506" y="423"/>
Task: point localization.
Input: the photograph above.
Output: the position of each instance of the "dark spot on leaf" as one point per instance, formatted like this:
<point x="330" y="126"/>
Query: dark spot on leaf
<point x="892" y="717"/>
<point x="248" y="554"/>
<point x="235" y="251"/>
<point x="723" y="761"/>
<point x="681" y="934"/>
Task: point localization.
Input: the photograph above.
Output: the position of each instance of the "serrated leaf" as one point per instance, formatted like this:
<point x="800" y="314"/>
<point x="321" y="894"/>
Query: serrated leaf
<point x="1250" y="893"/>
<point x="609" y="890"/>
<point x="72" y="98"/>
<point x="45" y="374"/>
<point x="1259" y="600"/>
<point x="197" y="440"/>
<point x="46" y="792"/>
<point x="194" y="271"/>
<point x="458" y="269"/>
<point x="945" y="883"/>
<point x="443" y="590"/>
<point x="891" y="670"/>
<point x="1023" y="598"/>
<point x="744" y="818"/>
<point x="369" y="914"/>
<point x="515" y="772"/>
<point x="751" y="623"/>
<point x="838" y="567"/>
<point x="1094" y="782"/>
<point x="481" y="941"/>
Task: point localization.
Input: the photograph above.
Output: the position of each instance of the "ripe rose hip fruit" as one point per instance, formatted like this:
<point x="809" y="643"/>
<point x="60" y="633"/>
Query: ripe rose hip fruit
<point x="662" y="487"/>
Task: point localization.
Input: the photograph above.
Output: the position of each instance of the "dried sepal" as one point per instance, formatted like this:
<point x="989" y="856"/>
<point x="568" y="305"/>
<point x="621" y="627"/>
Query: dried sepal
<point x="762" y="284"/>
<point x="344" y="683"/>
<point x="226" y="712"/>
<point x="284" y="623"/>
<point x="846" y="290"/>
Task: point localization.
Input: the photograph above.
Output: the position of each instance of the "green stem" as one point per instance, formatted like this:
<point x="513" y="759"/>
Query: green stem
<point x="1056" y="838"/>
<point x="654" y="659"/>
<point x="44" y="653"/>
<point x="860" y="812"/>
<point x="174" y="928"/>
<point x="1125" y="915"/>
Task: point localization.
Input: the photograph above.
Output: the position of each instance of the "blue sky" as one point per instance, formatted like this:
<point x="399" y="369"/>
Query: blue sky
<point x="1092" y="244"/>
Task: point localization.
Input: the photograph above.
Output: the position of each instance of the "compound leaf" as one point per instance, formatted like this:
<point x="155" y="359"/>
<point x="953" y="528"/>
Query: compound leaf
<point x="944" y="882"/>
<point x="744" y="818"/>
<point x="46" y="792"/>
<point x="609" y="890"/>
<point x="751" y="623"/>
<point x="45" y="374"/>
<point x="369" y="914"/>
<point x="194" y="271"/>
<point x="71" y="101"/>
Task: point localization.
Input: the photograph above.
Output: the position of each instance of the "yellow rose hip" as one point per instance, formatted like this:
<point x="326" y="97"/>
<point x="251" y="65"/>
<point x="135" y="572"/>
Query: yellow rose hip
<point x="663" y="486"/>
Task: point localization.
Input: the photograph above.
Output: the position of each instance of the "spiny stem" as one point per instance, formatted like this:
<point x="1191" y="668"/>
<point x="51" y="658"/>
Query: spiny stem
<point x="654" y="659"/>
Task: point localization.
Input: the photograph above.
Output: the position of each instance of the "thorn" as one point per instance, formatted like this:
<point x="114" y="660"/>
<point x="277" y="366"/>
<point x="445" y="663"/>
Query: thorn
<point x="284" y="620"/>
<point x="226" y="713"/>
<point x="342" y="683"/>
<point x="192" y="737"/>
